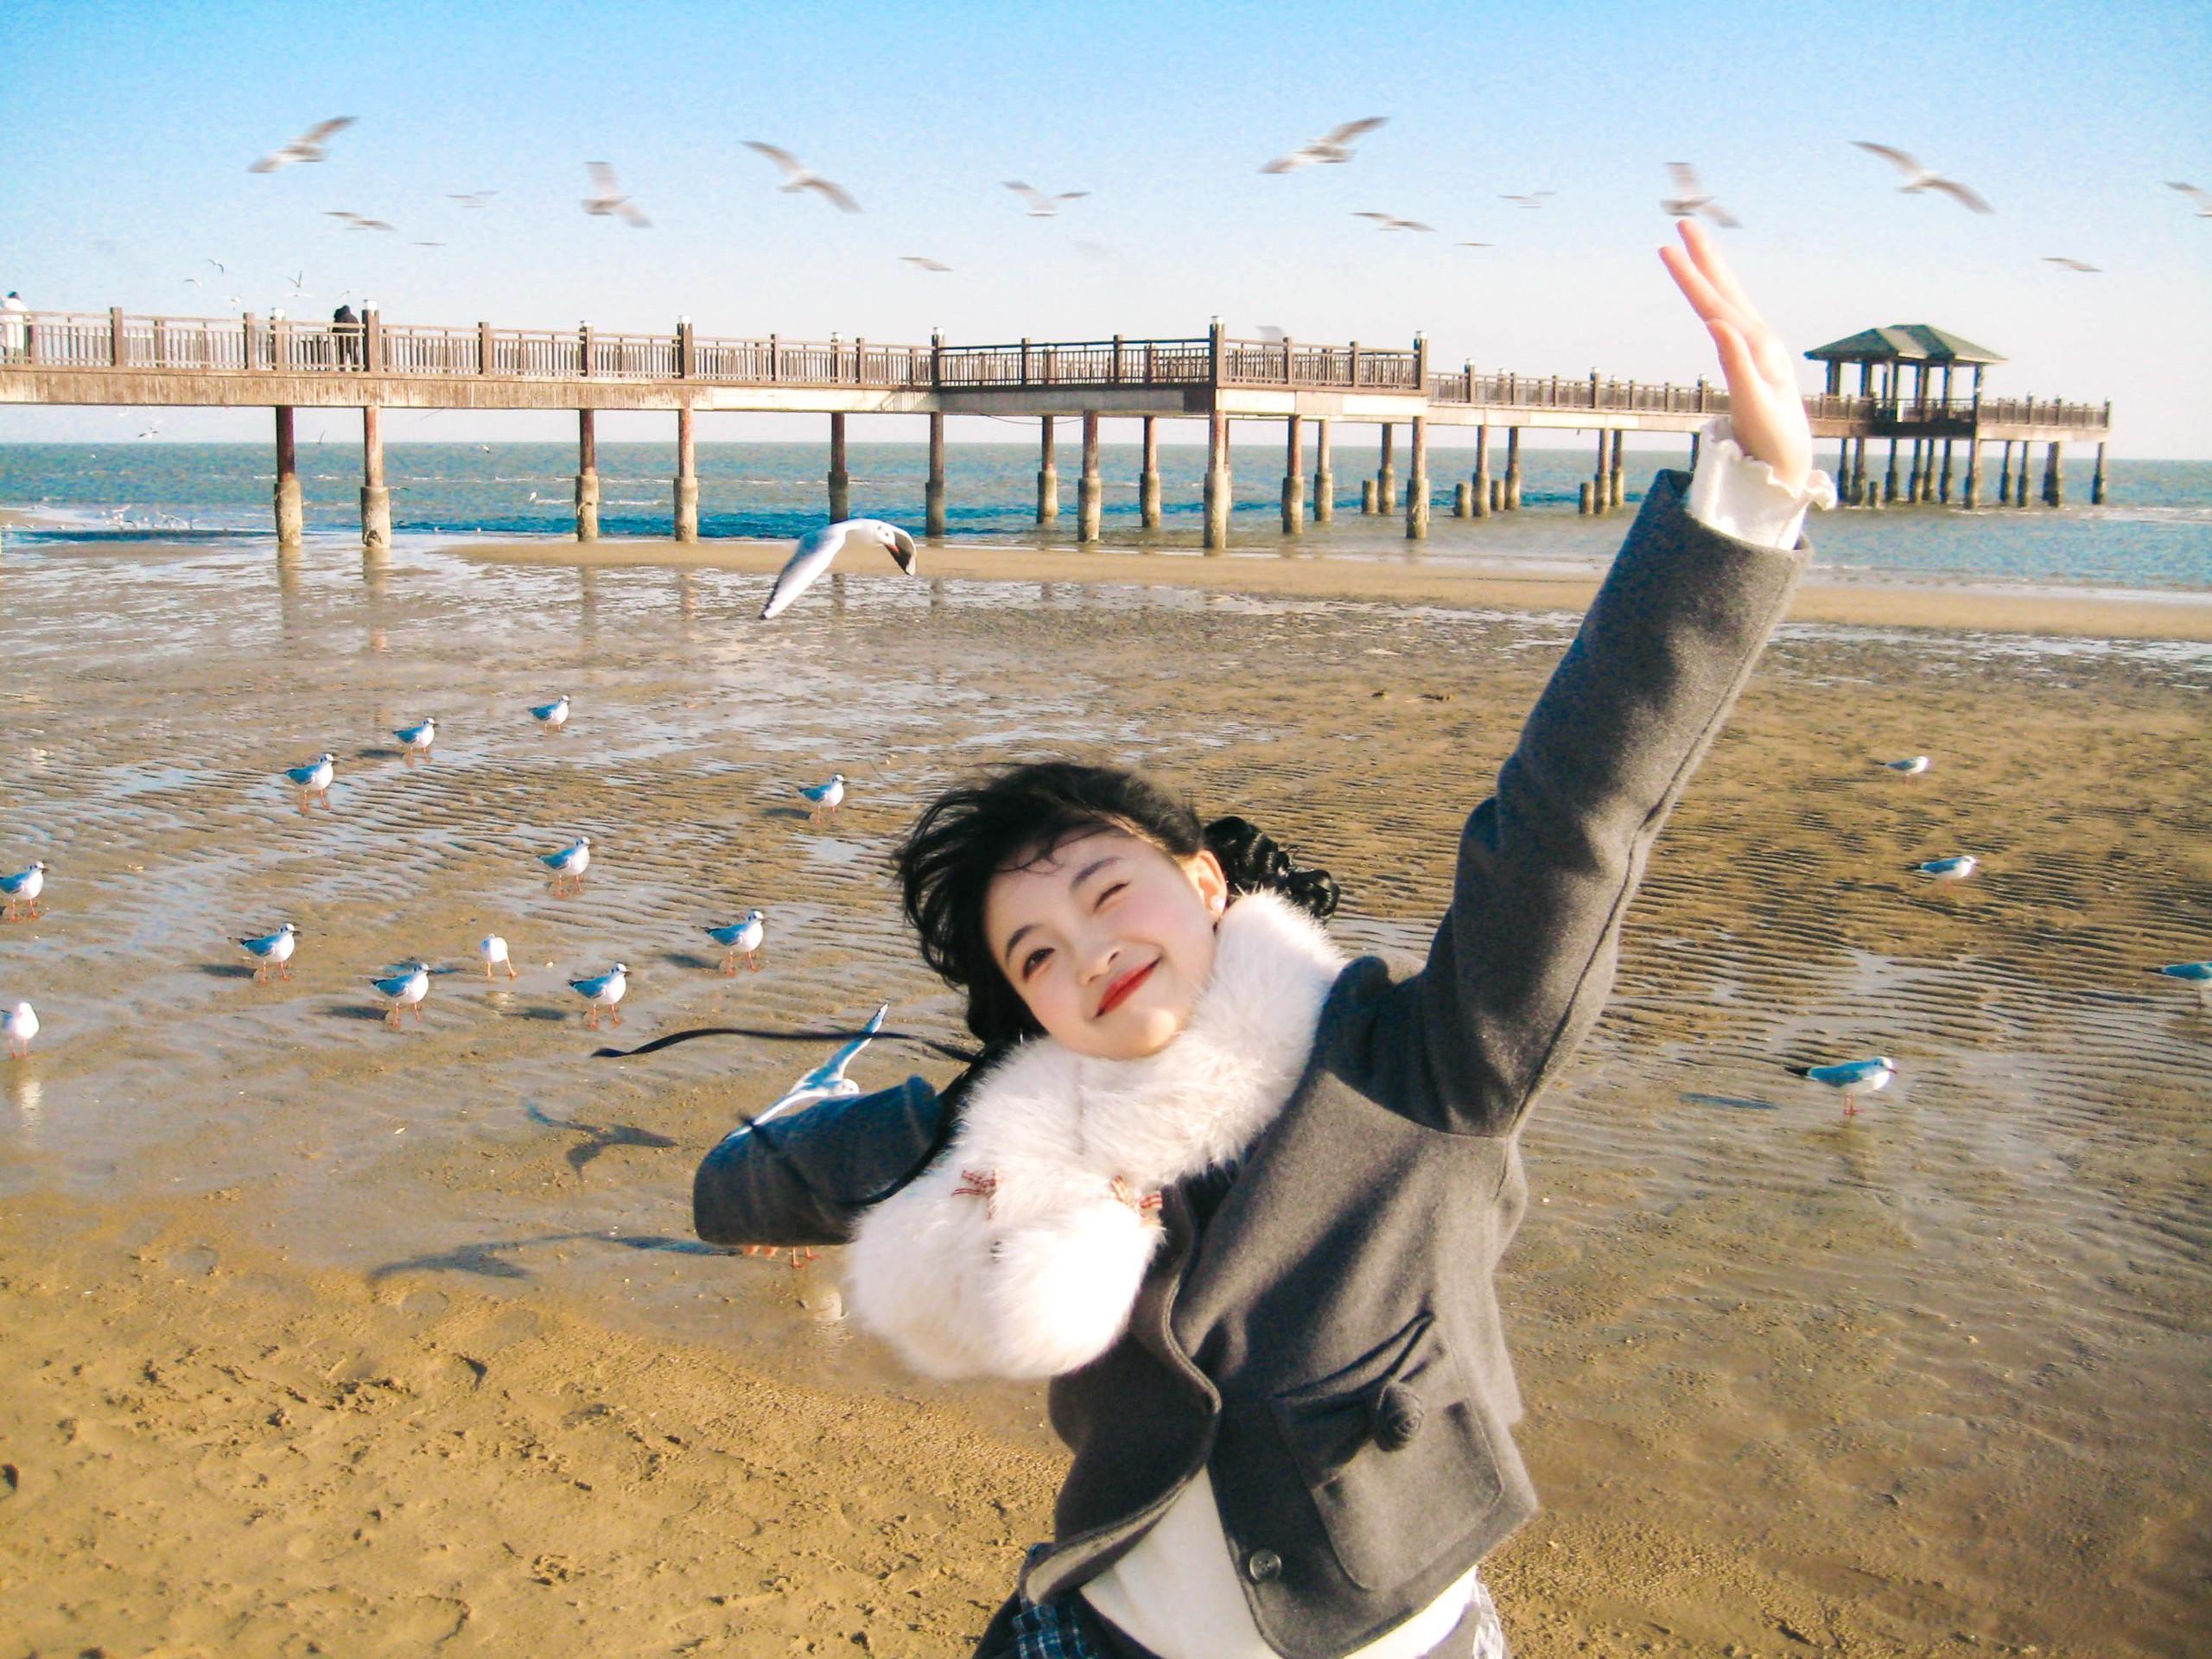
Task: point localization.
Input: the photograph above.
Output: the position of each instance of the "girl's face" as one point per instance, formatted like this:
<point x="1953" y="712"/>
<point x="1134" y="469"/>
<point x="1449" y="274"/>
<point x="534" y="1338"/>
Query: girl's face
<point x="1109" y="940"/>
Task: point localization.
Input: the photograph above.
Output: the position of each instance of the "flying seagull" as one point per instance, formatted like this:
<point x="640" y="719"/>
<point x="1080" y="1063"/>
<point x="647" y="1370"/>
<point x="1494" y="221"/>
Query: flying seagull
<point x="1040" y="204"/>
<point x="471" y="198"/>
<point x="1692" y="198"/>
<point x="307" y="147"/>
<point x="798" y="176"/>
<point x="608" y="197"/>
<point x="1478" y="244"/>
<point x="827" y="1080"/>
<point x="2070" y="264"/>
<point x="920" y="263"/>
<point x="1332" y="146"/>
<point x="1390" y="221"/>
<point x="2203" y="200"/>
<point x="818" y="548"/>
<point x="355" y="221"/>
<point x="1919" y="178"/>
<point x="1533" y="198"/>
<point x="1851" y="1079"/>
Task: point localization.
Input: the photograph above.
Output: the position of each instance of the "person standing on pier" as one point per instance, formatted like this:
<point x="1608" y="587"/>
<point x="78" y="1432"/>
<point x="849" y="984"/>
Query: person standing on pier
<point x="345" y="327"/>
<point x="15" y="333"/>
<point x="1241" y="1199"/>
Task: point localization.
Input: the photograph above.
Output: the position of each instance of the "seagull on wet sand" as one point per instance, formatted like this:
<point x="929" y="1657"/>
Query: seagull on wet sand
<point x="310" y="146"/>
<point x="494" y="949"/>
<point x="608" y="197"/>
<point x="312" y="780"/>
<point x="1691" y="197"/>
<point x="1040" y="204"/>
<point x="1947" y="869"/>
<point x="2197" y="974"/>
<point x="1851" y="1080"/>
<point x="798" y="176"/>
<point x="826" y="798"/>
<point x="23" y="888"/>
<point x="22" y="1026"/>
<point x="1911" y="765"/>
<point x="551" y="716"/>
<point x="1331" y="148"/>
<point x="1919" y="178"/>
<point x="746" y="936"/>
<point x="404" y="990"/>
<point x="418" y="739"/>
<point x="818" y="548"/>
<point x="272" y="950"/>
<point x="569" y="865"/>
<point x="603" y="991"/>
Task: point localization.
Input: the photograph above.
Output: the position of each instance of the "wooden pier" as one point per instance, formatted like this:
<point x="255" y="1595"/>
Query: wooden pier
<point x="278" y="363"/>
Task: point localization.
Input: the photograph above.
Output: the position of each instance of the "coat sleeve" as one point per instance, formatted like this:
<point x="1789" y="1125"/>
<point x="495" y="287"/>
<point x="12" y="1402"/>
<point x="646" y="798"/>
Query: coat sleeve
<point x="806" y="1179"/>
<point x="1520" y="968"/>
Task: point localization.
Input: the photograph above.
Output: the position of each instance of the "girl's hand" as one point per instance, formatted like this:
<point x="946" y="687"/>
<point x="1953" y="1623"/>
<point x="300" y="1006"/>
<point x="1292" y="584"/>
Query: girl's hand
<point x="1764" y="406"/>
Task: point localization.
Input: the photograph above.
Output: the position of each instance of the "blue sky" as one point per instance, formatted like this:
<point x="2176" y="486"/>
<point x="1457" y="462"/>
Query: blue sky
<point x="127" y="129"/>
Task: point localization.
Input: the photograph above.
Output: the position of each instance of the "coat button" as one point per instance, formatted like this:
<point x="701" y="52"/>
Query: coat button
<point x="1398" y="1413"/>
<point x="1263" y="1565"/>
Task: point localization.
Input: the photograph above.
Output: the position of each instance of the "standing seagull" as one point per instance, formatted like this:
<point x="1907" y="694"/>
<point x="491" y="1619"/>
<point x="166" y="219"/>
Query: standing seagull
<point x="1919" y="178"/>
<point x="1912" y="766"/>
<point x="1692" y="198"/>
<point x="798" y="176"/>
<point x="607" y="197"/>
<point x="307" y="147"/>
<point x="1332" y="147"/>
<point x="23" y="888"/>
<point x="603" y="991"/>
<point x="2198" y="974"/>
<point x="747" y="936"/>
<point x="312" y="780"/>
<point x="494" y="949"/>
<point x="1040" y="204"/>
<point x="568" y="864"/>
<point x="273" y="949"/>
<point x="22" y="1026"/>
<point x="403" y="990"/>
<point x="818" y="548"/>
<point x="1947" y="869"/>
<point x="826" y="798"/>
<point x="1851" y="1079"/>
<point x="419" y="739"/>
<point x="551" y="716"/>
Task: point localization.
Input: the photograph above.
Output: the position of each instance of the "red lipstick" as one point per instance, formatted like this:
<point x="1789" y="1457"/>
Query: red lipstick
<point x="1120" y="990"/>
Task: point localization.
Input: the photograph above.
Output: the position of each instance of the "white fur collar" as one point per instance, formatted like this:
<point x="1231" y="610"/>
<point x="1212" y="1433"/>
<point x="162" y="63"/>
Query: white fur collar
<point x="1036" y="1276"/>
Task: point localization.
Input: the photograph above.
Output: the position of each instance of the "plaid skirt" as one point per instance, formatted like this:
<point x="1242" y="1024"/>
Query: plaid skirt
<point x="1069" y="1628"/>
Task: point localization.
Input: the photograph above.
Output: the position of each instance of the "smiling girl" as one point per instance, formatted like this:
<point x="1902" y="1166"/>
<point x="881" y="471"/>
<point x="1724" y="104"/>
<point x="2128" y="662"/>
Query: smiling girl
<point x="1240" y="1198"/>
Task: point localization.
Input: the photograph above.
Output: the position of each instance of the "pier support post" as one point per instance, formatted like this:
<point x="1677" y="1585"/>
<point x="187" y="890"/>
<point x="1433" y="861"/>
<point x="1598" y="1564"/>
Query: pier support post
<point x="289" y="519"/>
<point x="841" y="481"/>
<point x="1367" y="496"/>
<point x="1583" y="499"/>
<point x="1871" y="497"/>
<point x="2020" y="478"/>
<point x="376" y="499"/>
<point x="1598" y="478"/>
<point x="1048" y="474"/>
<point x="2054" y="476"/>
<point x="1613" y="471"/>
<point x="1513" y="469"/>
<point x="1890" y="479"/>
<point x="1148" y="476"/>
<point x="1324" y="480"/>
<point x="687" y="478"/>
<point x="1481" y="480"/>
<point x="1694" y="445"/>
<point x="1090" y="493"/>
<point x="1972" y="497"/>
<point x="1417" y="484"/>
<point x="2097" y="480"/>
<point x="1217" y="485"/>
<point x="1386" y="474"/>
<point x="1943" y="490"/>
<point x="933" y="492"/>
<point x="1858" y="472"/>
<point x="1294" y="477"/>
<point x="2005" y="478"/>
<point x="1498" y="495"/>
<point x="1463" y="498"/>
<point x="587" y="475"/>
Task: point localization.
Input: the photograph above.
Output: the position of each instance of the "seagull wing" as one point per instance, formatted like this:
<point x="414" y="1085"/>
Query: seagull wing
<point x="1031" y="194"/>
<point x="2203" y="200"/>
<point x="832" y="1071"/>
<point x="1953" y="188"/>
<point x="1292" y="162"/>
<point x="633" y="215"/>
<point x="1072" y="195"/>
<point x="793" y="168"/>
<point x="813" y="555"/>
<point x="1685" y="178"/>
<point x="273" y="160"/>
<point x="322" y="129"/>
<point x="1720" y="216"/>
<point x="1351" y="129"/>
<point x="602" y="178"/>
<point x="1897" y="158"/>
<point x="1369" y="212"/>
<point x="834" y="193"/>
<point x="1409" y="225"/>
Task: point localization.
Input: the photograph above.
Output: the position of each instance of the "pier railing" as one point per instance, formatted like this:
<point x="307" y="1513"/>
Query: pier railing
<point x="257" y="344"/>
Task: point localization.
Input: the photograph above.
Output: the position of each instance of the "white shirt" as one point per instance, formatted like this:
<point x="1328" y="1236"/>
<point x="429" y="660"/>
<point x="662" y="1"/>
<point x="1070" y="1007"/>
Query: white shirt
<point x="1177" y="1591"/>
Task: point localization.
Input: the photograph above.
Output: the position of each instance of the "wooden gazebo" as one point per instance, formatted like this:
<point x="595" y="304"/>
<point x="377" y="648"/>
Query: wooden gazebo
<point x="1915" y="347"/>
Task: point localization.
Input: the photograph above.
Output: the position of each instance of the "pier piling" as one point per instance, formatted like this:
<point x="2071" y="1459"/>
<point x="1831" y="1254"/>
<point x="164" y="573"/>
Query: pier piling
<point x="1943" y="489"/>
<point x="1513" y="469"/>
<point x="1089" y="492"/>
<point x="1481" y="491"/>
<point x="1463" y="498"/>
<point x="2054" y="476"/>
<point x="2005" y="478"/>
<point x="1048" y="475"/>
<point x="2097" y="481"/>
<point x="1217" y="482"/>
<point x="1148" y="476"/>
<point x="1890" y="479"/>
<point x="1294" y="477"/>
<point x="1613" y="471"/>
<point x="1367" y="495"/>
<point x="376" y="499"/>
<point x="1972" y="498"/>
<point x="687" y="477"/>
<point x="933" y="492"/>
<point x="1583" y="499"/>
<point x="1386" y="473"/>
<point x="289" y="519"/>
<point x="1325" y="480"/>
<point x="1417" y="484"/>
<point x="587" y="475"/>
<point x="841" y="481"/>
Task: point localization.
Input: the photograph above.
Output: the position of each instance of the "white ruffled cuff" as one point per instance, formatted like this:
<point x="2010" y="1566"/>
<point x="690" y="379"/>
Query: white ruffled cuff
<point x="1741" y="497"/>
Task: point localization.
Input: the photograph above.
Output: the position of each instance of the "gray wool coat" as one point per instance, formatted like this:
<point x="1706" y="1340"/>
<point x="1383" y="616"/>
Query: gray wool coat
<point x="1320" y="1332"/>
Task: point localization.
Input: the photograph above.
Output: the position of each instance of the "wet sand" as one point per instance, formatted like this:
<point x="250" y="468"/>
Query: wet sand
<point x="320" y="1333"/>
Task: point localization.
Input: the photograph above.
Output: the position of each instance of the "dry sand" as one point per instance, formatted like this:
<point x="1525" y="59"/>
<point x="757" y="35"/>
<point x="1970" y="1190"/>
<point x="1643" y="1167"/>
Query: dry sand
<point x="326" y="1339"/>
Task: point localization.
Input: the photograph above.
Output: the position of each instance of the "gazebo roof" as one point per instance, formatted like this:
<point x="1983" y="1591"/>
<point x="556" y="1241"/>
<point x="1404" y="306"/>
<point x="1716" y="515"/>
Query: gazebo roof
<point x="1903" y="342"/>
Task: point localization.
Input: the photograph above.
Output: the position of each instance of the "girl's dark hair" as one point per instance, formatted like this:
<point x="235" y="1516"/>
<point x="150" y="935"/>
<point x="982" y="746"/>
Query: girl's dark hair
<point x="1016" y="815"/>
